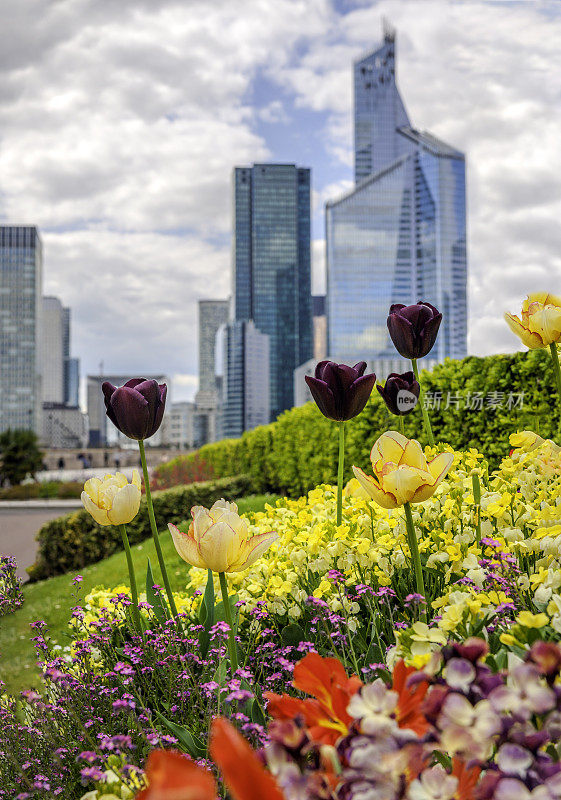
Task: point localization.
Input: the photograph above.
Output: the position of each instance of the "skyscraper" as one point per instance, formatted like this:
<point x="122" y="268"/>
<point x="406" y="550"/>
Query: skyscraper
<point x="271" y="281"/>
<point x="20" y="315"/>
<point x="51" y="350"/>
<point x="400" y="235"/>
<point x="212" y="314"/>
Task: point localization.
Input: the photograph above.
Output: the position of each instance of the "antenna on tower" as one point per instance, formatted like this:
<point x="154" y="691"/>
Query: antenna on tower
<point x="389" y="31"/>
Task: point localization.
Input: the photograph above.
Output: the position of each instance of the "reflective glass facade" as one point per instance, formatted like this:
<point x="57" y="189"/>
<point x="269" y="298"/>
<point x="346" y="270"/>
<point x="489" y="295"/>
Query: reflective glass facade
<point x="272" y="284"/>
<point x="20" y="317"/>
<point x="400" y="235"/>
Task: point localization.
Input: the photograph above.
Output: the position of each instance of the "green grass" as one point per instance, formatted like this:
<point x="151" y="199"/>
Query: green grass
<point x="52" y="600"/>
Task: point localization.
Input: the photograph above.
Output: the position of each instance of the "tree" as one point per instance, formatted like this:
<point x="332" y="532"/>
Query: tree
<point x="19" y="455"/>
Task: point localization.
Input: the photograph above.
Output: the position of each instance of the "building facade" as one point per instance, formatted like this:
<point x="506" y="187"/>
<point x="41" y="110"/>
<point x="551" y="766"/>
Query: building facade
<point x="244" y="378"/>
<point x="64" y="426"/>
<point x="20" y="321"/>
<point x="400" y="235"/>
<point x="178" y="426"/>
<point x="51" y="349"/>
<point x="212" y="315"/>
<point x="272" y="264"/>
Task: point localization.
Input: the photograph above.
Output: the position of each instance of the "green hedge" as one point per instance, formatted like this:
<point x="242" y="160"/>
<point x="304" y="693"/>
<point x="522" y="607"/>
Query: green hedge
<point x="75" y="540"/>
<point x="299" y="450"/>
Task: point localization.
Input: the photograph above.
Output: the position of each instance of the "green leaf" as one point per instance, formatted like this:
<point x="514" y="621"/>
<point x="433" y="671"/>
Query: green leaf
<point x="292" y="634"/>
<point x="159" y="605"/>
<point x="206" y="614"/>
<point x="190" y="744"/>
<point x="221" y="674"/>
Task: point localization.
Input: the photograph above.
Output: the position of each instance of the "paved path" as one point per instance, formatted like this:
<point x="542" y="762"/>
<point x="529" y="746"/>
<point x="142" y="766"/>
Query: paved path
<point x="20" y="522"/>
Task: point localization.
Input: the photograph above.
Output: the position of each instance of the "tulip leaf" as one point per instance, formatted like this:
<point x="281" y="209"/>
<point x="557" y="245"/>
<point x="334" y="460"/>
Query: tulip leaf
<point x="292" y="634"/>
<point x="157" y="601"/>
<point x="189" y="743"/>
<point x="221" y="674"/>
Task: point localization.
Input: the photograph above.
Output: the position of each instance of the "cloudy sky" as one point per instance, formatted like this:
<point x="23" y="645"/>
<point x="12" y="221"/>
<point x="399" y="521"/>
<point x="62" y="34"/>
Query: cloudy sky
<point x="120" y="123"/>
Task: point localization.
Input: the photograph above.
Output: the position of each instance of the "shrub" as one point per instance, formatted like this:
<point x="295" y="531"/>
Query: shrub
<point x="298" y="450"/>
<point x="73" y="541"/>
<point x="63" y="490"/>
<point x="19" y="455"/>
<point x="180" y="471"/>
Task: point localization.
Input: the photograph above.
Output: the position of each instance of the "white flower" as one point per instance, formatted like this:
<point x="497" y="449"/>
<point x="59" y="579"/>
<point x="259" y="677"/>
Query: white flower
<point x="433" y="784"/>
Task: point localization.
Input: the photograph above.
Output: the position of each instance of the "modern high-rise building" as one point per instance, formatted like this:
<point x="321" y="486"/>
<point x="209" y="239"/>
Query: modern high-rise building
<point x="400" y="235"/>
<point x="271" y="280"/>
<point x="212" y="314"/>
<point x="71" y="366"/>
<point x="243" y="366"/>
<point x="20" y="319"/>
<point x="51" y="349"/>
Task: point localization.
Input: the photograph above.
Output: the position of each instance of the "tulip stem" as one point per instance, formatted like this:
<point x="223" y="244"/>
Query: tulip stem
<point x="155" y="534"/>
<point x="415" y="557"/>
<point x="228" y="615"/>
<point x="340" y="470"/>
<point x="132" y="578"/>
<point x="401" y="426"/>
<point x="476" y="484"/>
<point x="424" y="412"/>
<point x="556" y="368"/>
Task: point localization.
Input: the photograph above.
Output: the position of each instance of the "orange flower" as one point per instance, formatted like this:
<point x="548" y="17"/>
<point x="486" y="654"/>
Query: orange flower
<point x="243" y="773"/>
<point x="325" y="679"/>
<point x="172" y="776"/>
<point x="467" y="779"/>
<point x="408" y="710"/>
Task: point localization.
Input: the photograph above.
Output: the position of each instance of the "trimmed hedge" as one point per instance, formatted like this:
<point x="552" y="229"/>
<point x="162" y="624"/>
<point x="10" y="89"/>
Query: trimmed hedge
<point x="75" y="540"/>
<point x="299" y="449"/>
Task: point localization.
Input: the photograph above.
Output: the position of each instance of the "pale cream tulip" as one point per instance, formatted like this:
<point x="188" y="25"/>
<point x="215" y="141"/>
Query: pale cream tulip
<point x="112" y="500"/>
<point x="540" y="325"/>
<point x="220" y="540"/>
<point x="401" y="472"/>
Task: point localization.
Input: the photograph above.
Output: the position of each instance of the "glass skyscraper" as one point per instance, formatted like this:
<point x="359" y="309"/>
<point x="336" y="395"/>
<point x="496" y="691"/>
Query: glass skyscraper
<point x="271" y="279"/>
<point x="20" y="318"/>
<point x="400" y="235"/>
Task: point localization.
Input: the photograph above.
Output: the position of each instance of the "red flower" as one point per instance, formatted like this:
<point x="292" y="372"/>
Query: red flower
<point x="172" y="776"/>
<point x="408" y="711"/>
<point x="467" y="779"/>
<point x="243" y="773"/>
<point x="325" y="679"/>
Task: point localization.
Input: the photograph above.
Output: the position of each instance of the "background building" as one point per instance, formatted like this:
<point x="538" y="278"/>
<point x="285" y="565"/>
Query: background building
<point x="271" y="280"/>
<point x="400" y="235"/>
<point x="64" y="426"/>
<point x="244" y="371"/>
<point x="212" y="314"/>
<point x="20" y="318"/>
<point x="178" y="425"/>
<point x="102" y="432"/>
<point x="51" y="350"/>
<point x="319" y="321"/>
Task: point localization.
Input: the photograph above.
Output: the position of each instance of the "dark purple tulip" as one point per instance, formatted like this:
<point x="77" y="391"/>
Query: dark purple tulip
<point x="341" y="392"/>
<point x="136" y="408"/>
<point x="400" y="393"/>
<point x="414" y="328"/>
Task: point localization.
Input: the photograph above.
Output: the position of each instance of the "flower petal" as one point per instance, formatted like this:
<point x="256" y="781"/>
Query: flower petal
<point x="219" y="546"/>
<point x="99" y="515"/>
<point x="254" y="549"/>
<point x="186" y="547"/>
<point x="531" y="340"/>
<point x="373" y="489"/>
<point x="125" y="505"/>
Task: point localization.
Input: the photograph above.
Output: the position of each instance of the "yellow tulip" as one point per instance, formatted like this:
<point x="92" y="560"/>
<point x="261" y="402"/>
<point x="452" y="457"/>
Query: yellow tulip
<point x="401" y="472"/>
<point x="540" y="325"/>
<point x="112" y="500"/>
<point x="220" y="540"/>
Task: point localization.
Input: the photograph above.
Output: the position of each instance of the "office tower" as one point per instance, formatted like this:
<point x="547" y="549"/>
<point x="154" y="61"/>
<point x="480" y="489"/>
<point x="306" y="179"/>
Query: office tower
<point x="400" y="235"/>
<point x="51" y="350"/>
<point x="319" y="327"/>
<point x="271" y="281"/>
<point x="243" y="367"/>
<point x="212" y="314"/>
<point x="20" y="316"/>
<point x="71" y="365"/>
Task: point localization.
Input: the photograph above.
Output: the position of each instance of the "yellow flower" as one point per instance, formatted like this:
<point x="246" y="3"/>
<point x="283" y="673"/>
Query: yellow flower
<point x="354" y="489"/>
<point x="401" y="471"/>
<point x="528" y="620"/>
<point x="220" y="540"/>
<point x="508" y="639"/>
<point x="540" y="325"/>
<point x="112" y="500"/>
<point x="424" y="639"/>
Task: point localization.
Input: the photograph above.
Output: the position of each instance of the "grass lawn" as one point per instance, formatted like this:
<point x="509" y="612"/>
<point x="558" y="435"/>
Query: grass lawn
<point x="51" y="600"/>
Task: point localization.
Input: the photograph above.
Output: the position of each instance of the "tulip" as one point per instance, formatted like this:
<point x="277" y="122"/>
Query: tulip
<point x="540" y="326"/>
<point x="400" y="393"/>
<point x="220" y="540"/>
<point x="401" y="471"/>
<point x="402" y="476"/>
<point x="112" y="500"/>
<point x="413" y="330"/>
<point x="115" y="501"/>
<point x="341" y="392"/>
<point x="136" y="408"/>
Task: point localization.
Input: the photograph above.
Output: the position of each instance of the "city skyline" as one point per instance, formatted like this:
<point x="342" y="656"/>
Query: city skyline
<point x="119" y="169"/>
